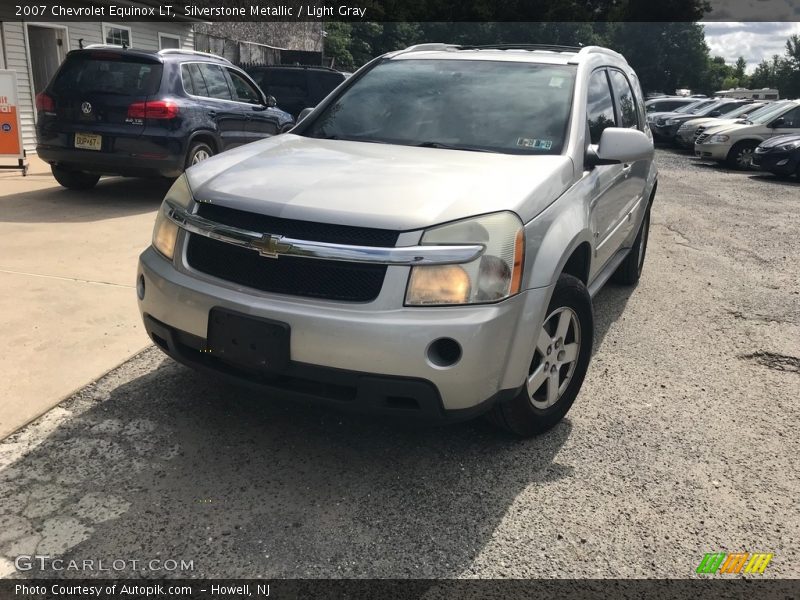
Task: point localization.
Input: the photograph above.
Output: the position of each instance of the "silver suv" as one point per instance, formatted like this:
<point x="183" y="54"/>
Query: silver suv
<point x="426" y="241"/>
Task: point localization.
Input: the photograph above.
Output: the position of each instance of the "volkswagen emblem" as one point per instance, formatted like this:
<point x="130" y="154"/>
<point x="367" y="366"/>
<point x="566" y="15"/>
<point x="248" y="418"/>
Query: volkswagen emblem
<point x="86" y="108"/>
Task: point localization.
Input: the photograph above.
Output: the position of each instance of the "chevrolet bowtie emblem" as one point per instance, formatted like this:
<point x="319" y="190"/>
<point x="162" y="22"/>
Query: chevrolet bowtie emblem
<point x="270" y="245"/>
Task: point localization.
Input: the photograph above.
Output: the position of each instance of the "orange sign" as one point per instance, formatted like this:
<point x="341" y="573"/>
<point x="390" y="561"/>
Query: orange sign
<point x="10" y="133"/>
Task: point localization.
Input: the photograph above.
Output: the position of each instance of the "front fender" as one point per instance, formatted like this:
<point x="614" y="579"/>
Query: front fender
<point x="553" y="235"/>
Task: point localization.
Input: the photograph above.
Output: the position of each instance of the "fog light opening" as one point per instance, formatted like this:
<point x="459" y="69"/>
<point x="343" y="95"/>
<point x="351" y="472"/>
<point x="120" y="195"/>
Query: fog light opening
<point x="140" y="287"/>
<point x="444" y="352"/>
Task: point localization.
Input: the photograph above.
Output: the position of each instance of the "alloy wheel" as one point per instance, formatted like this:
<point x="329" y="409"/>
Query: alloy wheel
<point x="555" y="358"/>
<point x="200" y="156"/>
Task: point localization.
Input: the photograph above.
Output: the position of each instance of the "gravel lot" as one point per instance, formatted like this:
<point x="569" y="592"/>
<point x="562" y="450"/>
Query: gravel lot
<point x="682" y="441"/>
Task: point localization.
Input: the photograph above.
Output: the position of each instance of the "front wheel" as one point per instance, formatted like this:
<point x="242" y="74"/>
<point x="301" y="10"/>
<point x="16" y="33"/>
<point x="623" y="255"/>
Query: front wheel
<point x="558" y="367"/>
<point x="741" y="156"/>
<point x="74" y="180"/>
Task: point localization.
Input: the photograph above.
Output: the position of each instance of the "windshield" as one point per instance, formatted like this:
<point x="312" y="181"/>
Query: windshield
<point x="509" y="107"/>
<point x="705" y="104"/>
<point x="767" y="115"/>
<point x="744" y="110"/>
<point x="687" y="108"/>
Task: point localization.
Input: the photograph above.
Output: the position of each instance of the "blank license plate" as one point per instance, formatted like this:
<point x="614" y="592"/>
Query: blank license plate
<point x="250" y="342"/>
<point x="88" y="141"/>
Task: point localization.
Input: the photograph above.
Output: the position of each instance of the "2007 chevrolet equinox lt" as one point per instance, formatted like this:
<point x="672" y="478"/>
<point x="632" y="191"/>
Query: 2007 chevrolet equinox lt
<point x="426" y="241"/>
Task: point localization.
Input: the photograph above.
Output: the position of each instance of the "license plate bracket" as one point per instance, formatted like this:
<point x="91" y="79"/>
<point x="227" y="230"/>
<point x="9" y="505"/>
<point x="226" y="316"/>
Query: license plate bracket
<point x="88" y="141"/>
<point x="248" y="341"/>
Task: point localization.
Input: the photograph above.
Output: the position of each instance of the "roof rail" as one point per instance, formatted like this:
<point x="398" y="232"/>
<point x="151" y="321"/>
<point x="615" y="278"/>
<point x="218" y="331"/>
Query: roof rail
<point x="599" y="50"/>
<point x="422" y="48"/>
<point x="192" y="52"/>
<point x="548" y="47"/>
<point x="96" y="46"/>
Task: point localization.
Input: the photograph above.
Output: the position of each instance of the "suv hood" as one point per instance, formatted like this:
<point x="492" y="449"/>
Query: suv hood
<point x="377" y="185"/>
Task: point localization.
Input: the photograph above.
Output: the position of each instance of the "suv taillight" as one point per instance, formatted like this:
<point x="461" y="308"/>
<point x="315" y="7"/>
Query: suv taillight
<point x="44" y="103"/>
<point x="153" y="109"/>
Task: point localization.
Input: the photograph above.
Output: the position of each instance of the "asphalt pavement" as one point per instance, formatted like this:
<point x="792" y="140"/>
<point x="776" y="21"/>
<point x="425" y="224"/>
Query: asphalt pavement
<point x="683" y="441"/>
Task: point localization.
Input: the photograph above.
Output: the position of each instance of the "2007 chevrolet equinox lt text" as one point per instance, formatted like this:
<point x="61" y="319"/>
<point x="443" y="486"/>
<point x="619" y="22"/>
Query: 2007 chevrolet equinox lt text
<point x="426" y="241"/>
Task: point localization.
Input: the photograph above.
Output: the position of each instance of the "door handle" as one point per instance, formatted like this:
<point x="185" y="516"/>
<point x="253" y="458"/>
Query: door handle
<point x="626" y="169"/>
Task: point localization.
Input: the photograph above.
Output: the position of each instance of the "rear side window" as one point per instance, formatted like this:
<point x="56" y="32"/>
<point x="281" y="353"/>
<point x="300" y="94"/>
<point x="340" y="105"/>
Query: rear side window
<point x="193" y="81"/>
<point x="216" y="84"/>
<point x="108" y="75"/>
<point x="626" y="101"/>
<point x="599" y="106"/>
<point x="287" y="84"/>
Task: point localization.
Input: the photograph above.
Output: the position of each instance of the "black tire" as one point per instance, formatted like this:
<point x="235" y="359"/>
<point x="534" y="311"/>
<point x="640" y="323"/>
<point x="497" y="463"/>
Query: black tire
<point x="520" y="415"/>
<point x="74" y="180"/>
<point x="198" y="152"/>
<point x="629" y="272"/>
<point x="740" y="156"/>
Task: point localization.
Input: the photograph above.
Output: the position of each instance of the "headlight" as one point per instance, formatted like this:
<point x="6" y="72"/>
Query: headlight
<point x="673" y="121"/>
<point x="660" y="122"/>
<point x="718" y="139"/>
<point x="494" y="276"/>
<point x="790" y="145"/>
<point x="684" y="127"/>
<point x="165" y="232"/>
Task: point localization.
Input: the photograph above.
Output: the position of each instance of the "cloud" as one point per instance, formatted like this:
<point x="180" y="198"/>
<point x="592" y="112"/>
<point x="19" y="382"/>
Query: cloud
<point x="756" y="41"/>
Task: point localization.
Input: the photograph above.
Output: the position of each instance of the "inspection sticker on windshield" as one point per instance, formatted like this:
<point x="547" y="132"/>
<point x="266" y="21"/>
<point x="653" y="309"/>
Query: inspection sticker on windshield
<point x="535" y="144"/>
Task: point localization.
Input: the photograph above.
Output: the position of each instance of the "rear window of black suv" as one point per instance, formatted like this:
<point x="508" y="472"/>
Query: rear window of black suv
<point x="107" y="73"/>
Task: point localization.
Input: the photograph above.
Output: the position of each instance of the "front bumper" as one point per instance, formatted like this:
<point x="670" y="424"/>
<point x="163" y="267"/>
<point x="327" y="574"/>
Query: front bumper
<point x="685" y="138"/>
<point x="768" y="161"/>
<point x="382" y="351"/>
<point x="666" y="132"/>
<point x="712" y="151"/>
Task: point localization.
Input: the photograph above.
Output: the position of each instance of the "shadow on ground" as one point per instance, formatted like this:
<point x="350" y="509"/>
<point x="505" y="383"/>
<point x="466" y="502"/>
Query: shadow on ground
<point x="112" y="197"/>
<point x="173" y="464"/>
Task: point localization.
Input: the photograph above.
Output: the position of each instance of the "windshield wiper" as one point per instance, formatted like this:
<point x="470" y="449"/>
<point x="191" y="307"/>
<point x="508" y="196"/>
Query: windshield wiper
<point x="350" y="139"/>
<point x="452" y="147"/>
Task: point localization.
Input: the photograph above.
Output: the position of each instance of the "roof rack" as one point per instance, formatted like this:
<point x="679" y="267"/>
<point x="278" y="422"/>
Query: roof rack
<point x="548" y="47"/>
<point x="96" y="46"/>
<point x="192" y="52"/>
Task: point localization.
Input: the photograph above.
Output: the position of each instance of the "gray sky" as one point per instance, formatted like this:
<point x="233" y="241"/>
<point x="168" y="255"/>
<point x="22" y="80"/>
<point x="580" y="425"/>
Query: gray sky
<point x="753" y="40"/>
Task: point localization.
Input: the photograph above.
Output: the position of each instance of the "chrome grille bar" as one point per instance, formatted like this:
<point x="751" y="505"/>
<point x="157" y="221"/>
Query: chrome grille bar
<point x="274" y="246"/>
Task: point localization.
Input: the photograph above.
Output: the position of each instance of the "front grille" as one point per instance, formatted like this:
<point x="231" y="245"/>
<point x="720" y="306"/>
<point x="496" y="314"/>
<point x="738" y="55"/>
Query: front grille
<point x="701" y="138"/>
<point x="312" y="278"/>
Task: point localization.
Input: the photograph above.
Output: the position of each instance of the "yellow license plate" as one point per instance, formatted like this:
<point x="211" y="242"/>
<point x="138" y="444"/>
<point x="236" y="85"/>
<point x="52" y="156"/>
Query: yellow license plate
<point x="88" y="141"/>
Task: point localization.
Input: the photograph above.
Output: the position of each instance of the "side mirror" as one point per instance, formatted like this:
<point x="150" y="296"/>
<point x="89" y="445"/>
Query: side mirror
<point x="620" y="145"/>
<point x="270" y="102"/>
<point x="304" y="113"/>
<point x="777" y="122"/>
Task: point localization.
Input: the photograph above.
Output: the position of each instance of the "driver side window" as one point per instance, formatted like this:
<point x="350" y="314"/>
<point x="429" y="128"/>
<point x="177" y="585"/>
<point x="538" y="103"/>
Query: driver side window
<point x="243" y="89"/>
<point x="599" y="105"/>
<point x="791" y="120"/>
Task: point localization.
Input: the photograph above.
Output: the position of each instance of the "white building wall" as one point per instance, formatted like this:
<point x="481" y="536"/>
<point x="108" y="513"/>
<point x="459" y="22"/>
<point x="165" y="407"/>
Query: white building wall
<point x="15" y="53"/>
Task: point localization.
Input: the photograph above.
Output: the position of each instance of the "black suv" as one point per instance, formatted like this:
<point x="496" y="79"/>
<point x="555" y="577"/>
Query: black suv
<point x="296" y="88"/>
<point x="118" y="111"/>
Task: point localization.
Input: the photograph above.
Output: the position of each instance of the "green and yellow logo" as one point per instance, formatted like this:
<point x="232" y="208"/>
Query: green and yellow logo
<point x="735" y="562"/>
